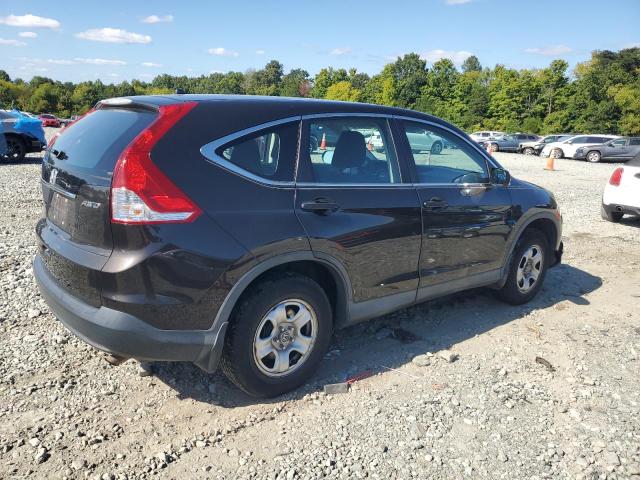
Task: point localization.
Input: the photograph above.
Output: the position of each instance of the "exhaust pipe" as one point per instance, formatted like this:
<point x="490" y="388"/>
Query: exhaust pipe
<point x="618" y="209"/>
<point x="115" y="360"/>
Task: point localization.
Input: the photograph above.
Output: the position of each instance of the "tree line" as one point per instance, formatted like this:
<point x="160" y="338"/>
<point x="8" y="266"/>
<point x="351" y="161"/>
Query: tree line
<point x="601" y="95"/>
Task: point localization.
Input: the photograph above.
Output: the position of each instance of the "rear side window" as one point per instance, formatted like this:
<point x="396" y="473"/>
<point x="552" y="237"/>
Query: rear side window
<point x="269" y="154"/>
<point x="634" y="141"/>
<point x="96" y="141"/>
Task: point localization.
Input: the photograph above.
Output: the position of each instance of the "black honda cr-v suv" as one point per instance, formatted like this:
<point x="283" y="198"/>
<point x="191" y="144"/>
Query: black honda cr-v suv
<point x="214" y="229"/>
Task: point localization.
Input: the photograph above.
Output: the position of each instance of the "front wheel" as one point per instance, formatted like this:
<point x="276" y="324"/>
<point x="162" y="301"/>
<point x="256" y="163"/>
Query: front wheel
<point x="593" y="156"/>
<point x="14" y="149"/>
<point x="528" y="151"/>
<point x="556" y="153"/>
<point x="277" y="336"/>
<point x="527" y="270"/>
<point x="436" y="148"/>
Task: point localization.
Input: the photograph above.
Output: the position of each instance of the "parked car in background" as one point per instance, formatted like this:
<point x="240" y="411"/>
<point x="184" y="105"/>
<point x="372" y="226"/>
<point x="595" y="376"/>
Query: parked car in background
<point x="567" y="148"/>
<point x="535" y="147"/>
<point x="49" y="120"/>
<point x="621" y="149"/>
<point x="251" y="249"/>
<point x="622" y="192"/>
<point x="19" y="134"/>
<point x="485" y="135"/>
<point x="68" y="121"/>
<point x="509" y="142"/>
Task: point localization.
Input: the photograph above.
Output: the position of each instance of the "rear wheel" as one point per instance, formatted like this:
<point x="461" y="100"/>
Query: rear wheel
<point x="495" y="147"/>
<point x="593" y="156"/>
<point x="278" y="336"/>
<point x="528" y="151"/>
<point x="556" y="153"/>
<point x="610" y="215"/>
<point x="436" y="148"/>
<point x="528" y="268"/>
<point x="14" y="151"/>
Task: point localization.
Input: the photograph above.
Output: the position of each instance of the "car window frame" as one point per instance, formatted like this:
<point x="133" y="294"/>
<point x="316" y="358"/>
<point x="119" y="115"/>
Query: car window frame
<point x="306" y="170"/>
<point x="209" y="152"/>
<point x="407" y="159"/>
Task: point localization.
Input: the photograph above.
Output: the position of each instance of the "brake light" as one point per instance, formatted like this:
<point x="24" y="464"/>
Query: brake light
<point x="616" y="177"/>
<point x="140" y="192"/>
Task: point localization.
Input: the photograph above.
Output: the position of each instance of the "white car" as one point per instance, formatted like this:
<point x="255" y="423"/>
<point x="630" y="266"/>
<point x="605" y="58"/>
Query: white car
<point x="567" y="148"/>
<point x="485" y="135"/>
<point x="622" y="193"/>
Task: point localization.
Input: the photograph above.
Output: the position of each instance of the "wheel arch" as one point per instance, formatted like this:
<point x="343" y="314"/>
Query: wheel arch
<point x="327" y="272"/>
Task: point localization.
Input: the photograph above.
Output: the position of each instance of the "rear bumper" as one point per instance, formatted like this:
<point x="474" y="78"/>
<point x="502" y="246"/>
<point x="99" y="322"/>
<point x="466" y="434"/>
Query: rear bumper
<point x="626" y="209"/>
<point x="122" y="334"/>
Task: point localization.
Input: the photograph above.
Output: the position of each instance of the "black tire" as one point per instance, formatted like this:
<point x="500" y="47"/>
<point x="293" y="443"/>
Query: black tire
<point x="511" y="292"/>
<point x="528" y="151"/>
<point x="593" y="156"/>
<point x="610" y="215"/>
<point x="436" y="148"/>
<point x="14" y="149"/>
<point x="238" y="361"/>
<point x="313" y="143"/>
<point x="495" y="147"/>
<point x="556" y="153"/>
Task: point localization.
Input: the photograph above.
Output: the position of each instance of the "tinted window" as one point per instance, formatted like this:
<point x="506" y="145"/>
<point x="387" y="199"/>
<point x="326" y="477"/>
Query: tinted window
<point x="350" y="150"/>
<point x="97" y="140"/>
<point x="634" y="141"/>
<point x="619" y="143"/>
<point x="597" y="139"/>
<point x="579" y="140"/>
<point x="270" y="153"/>
<point x="442" y="157"/>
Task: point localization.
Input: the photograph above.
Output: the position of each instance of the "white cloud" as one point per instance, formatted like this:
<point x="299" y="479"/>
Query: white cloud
<point x="457" y="2"/>
<point x="11" y="42"/>
<point x="340" y="51"/>
<point x="550" y="50"/>
<point x="30" y="21"/>
<point x="56" y="61"/>
<point x="99" y="61"/>
<point x="456" y="57"/>
<point x="260" y="52"/>
<point x="151" y="64"/>
<point x="223" y="52"/>
<point x="28" y="34"/>
<point x="158" y="19"/>
<point x="113" y="35"/>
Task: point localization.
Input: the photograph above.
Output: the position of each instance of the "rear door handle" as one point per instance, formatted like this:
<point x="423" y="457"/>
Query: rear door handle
<point x="435" y="204"/>
<point x="321" y="206"/>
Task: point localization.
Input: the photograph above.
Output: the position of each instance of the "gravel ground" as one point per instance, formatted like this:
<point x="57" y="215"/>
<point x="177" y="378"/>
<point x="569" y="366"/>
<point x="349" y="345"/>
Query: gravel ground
<point x="464" y="398"/>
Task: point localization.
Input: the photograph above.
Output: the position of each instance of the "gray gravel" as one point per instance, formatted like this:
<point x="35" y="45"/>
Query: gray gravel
<point x="466" y="400"/>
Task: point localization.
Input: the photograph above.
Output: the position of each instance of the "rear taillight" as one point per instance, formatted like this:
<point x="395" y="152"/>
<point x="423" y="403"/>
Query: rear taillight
<point x="140" y="192"/>
<point x="616" y="176"/>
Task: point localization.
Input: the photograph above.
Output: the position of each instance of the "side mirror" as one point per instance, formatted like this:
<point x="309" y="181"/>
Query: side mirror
<point x="500" y="176"/>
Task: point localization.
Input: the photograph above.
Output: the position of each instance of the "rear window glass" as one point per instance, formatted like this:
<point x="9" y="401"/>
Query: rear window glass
<point x="634" y="141"/>
<point x="96" y="141"/>
<point x="269" y="154"/>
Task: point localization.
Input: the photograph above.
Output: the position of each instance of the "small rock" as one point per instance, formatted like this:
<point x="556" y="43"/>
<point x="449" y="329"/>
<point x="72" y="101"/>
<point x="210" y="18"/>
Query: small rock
<point x="201" y="443"/>
<point x="78" y="464"/>
<point x="41" y="455"/>
<point x="384" y="332"/>
<point x="503" y="457"/>
<point x="144" y="369"/>
<point x="448" y="356"/>
<point x="422" y="360"/>
<point x="610" y="459"/>
<point x="34" y="442"/>
<point x="33" y="313"/>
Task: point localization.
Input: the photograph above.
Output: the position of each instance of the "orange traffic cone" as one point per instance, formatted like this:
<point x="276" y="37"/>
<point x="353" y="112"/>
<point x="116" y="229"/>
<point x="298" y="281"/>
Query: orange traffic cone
<point x="323" y="143"/>
<point x="550" y="163"/>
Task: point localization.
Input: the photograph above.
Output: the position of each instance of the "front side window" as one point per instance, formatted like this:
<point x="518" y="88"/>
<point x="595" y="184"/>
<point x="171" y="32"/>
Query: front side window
<point x="269" y="154"/>
<point x="354" y="150"/>
<point x="443" y="157"/>
<point x="619" y="143"/>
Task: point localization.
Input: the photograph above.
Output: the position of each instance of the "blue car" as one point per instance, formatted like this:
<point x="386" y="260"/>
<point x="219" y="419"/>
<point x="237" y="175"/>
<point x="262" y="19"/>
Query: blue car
<point x="19" y="134"/>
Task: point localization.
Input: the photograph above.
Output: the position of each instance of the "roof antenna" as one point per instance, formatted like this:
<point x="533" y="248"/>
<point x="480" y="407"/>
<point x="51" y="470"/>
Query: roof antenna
<point x="180" y="91"/>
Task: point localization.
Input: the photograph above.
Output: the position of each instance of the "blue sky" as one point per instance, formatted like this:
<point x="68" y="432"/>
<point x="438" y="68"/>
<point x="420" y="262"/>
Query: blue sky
<point x="119" y="40"/>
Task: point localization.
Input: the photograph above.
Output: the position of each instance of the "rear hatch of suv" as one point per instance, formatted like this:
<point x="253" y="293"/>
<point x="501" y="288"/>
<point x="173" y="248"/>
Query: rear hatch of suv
<point x="77" y="174"/>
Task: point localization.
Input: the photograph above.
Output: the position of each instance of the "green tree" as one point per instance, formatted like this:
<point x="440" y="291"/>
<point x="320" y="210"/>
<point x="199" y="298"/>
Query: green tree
<point x="295" y="83"/>
<point x="343" y="91"/>
<point x="471" y="64"/>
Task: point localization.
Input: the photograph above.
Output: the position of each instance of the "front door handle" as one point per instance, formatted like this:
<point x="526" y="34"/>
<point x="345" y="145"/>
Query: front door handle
<point x="321" y="206"/>
<point x="435" y="204"/>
